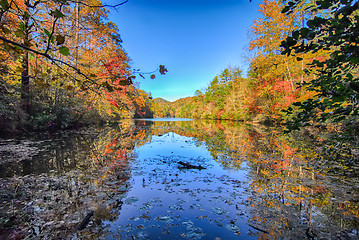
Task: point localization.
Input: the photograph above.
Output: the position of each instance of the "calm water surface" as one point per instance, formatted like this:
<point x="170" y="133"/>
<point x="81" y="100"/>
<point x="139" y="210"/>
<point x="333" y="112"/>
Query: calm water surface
<point x="181" y="179"/>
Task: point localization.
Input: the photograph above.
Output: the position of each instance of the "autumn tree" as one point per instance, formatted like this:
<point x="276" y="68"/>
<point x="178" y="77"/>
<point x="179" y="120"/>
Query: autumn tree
<point x="273" y="77"/>
<point x="48" y="48"/>
<point x="333" y="28"/>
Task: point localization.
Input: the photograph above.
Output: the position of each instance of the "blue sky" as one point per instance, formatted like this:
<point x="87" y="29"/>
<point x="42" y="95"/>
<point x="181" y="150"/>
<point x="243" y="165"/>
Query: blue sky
<point x="194" y="39"/>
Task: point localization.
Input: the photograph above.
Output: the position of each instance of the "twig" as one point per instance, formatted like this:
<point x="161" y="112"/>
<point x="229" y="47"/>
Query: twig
<point x="52" y="32"/>
<point x="84" y="222"/>
<point x="190" y="166"/>
<point x="101" y="6"/>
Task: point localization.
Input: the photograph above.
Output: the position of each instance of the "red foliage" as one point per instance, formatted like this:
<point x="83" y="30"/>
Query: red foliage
<point x="219" y="125"/>
<point x="219" y="113"/>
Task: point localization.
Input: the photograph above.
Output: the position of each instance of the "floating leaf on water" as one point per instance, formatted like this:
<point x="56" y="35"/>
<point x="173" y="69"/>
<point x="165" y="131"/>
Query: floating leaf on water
<point x="141" y="235"/>
<point x="193" y="233"/>
<point x="101" y="195"/>
<point x="122" y="188"/>
<point x="166" y="219"/>
<point x="229" y="202"/>
<point x="139" y="173"/>
<point x="199" y="206"/>
<point x="157" y="199"/>
<point x="202" y="217"/>
<point x="235" y="195"/>
<point x="166" y="231"/>
<point x="140" y="227"/>
<point x="145" y="206"/>
<point x="177" y="207"/>
<point x="188" y="224"/>
<point x="219" y="211"/>
<point x="219" y="223"/>
<point x="145" y="217"/>
<point x="233" y="228"/>
<point x="131" y="200"/>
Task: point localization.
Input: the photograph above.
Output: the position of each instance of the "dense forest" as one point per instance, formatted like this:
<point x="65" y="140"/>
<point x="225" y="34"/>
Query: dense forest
<point x="303" y="69"/>
<point x="49" y="77"/>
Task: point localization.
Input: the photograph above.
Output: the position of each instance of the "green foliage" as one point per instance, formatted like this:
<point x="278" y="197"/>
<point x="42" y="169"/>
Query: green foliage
<point x="4" y="4"/>
<point x="334" y="28"/>
<point x="221" y="100"/>
<point x="64" y="50"/>
<point x="11" y="115"/>
<point x="220" y="87"/>
<point x="63" y="113"/>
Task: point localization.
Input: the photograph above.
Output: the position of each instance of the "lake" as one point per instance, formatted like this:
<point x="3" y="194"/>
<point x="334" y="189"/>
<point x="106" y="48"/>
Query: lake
<point x="175" y="179"/>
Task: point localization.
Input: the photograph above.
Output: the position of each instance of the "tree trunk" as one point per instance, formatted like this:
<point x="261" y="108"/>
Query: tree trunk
<point x="25" y="84"/>
<point x="25" y="78"/>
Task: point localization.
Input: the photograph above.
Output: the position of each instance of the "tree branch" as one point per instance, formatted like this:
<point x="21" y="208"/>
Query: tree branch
<point x="52" y="32"/>
<point x="101" y="6"/>
<point x="48" y="57"/>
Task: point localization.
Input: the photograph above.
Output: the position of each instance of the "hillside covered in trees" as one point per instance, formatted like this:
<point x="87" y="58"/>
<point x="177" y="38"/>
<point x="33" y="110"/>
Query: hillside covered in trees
<point x="304" y="70"/>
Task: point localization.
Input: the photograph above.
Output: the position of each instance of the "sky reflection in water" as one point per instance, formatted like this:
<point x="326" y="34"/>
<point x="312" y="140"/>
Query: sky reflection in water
<point x="254" y="185"/>
<point x="257" y="183"/>
<point x="166" y="201"/>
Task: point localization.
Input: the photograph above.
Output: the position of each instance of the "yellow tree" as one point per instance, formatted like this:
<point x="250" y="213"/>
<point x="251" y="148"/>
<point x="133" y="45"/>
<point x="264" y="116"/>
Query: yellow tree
<point x="273" y="76"/>
<point x="49" y="48"/>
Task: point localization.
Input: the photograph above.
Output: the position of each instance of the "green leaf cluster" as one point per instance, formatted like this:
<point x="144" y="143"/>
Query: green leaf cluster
<point x="334" y="28"/>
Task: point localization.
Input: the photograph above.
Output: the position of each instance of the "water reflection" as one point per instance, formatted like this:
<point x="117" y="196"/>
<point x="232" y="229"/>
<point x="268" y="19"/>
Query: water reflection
<point x="172" y="202"/>
<point x="289" y="195"/>
<point x="255" y="183"/>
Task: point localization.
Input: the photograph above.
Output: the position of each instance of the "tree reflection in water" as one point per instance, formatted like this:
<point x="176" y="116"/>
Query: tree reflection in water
<point x="258" y="183"/>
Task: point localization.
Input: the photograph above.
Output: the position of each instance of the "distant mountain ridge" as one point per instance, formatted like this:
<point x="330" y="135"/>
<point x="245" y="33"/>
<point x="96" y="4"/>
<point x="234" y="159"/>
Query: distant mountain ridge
<point x="160" y="100"/>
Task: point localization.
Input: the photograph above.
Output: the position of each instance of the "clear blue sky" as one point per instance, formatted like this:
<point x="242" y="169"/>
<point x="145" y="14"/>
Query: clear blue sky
<point x="194" y="39"/>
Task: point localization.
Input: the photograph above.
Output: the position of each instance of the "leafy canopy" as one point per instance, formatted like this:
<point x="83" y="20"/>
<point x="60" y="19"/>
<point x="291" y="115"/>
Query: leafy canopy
<point x="333" y="27"/>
